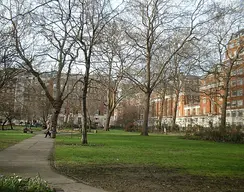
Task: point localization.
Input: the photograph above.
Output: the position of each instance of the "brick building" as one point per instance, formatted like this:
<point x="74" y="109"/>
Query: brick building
<point x="200" y="99"/>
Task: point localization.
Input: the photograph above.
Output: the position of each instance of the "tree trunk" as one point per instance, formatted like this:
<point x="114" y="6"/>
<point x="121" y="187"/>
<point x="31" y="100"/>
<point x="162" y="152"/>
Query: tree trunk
<point x="107" y="124"/>
<point x="11" y="125"/>
<point x="161" y="110"/>
<point x="148" y="92"/>
<point x="55" y="121"/>
<point x="85" y="119"/>
<point x="223" y="113"/>
<point x="144" y="130"/>
<point x="175" y="112"/>
<point x="90" y="124"/>
<point x="44" y="118"/>
<point x="84" y="128"/>
<point x="222" y="127"/>
<point x="3" y="124"/>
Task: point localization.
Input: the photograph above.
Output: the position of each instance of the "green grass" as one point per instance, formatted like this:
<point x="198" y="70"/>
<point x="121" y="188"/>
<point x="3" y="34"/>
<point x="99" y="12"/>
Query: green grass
<point x="121" y="148"/>
<point x="11" y="137"/>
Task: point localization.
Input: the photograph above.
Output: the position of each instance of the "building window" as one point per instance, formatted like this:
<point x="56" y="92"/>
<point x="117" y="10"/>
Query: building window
<point x="198" y="111"/>
<point x="239" y="81"/>
<point x="240" y="113"/>
<point x="228" y="104"/>
<point x="213" y="107"/>
<point x="233" y="114"/>
<point x="233" y="83"/>
<point x="240" y="71"/>
<point x="239" y="92"/>
<point x="239" y="103"/>
<point x="204" y="100"/>
<point x="186" y="113"/>
<point x="234" y="93"/>
<point x="233" y="104"/>
<point x="227" y="114"/>
<point x="204" y="110"/>
<point x="233" y="72"/>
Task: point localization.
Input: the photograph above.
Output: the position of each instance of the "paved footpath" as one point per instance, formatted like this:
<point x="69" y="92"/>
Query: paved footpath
<point x="30" y="158"/>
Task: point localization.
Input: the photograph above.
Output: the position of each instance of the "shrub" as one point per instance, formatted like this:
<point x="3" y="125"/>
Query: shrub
<point x="19" y="184"/>
<point x="131" y="127"/>
<point x="67" y="125"/>
<point x="118" y="127"/>
<point x="233" y="136"/>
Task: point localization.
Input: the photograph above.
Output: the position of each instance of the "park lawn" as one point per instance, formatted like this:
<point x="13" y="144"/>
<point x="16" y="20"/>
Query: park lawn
<point x="171" y="152"/>
<point x="11" y="137"/>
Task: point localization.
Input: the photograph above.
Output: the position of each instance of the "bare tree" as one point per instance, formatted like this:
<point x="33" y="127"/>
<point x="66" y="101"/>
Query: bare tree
<point x="8" y="69"/>
<point x="181" y="67"/>
<point x="65" y="28"/>
<point x="42" y="37"/>
<point x="128" y="114"/>
<point x="161" y="91"/>
<point x="113" y="53"/>
<point x="154" y="25"/>
<point x="92" y="17"/>
<point x="7" y="98"/>
<point x="223" y="55"/>
<point x="8" y="73"/>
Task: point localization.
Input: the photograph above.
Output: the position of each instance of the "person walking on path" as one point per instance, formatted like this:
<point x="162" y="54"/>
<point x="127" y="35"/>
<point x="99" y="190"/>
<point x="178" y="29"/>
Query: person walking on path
<point x="48" y="130"/>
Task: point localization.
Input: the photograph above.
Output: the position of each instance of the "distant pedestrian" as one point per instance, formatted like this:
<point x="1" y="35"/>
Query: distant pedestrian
<point x="48" y="130"/>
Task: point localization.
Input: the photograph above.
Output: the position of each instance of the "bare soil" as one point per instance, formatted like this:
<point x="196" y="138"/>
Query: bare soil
<point x="149" y="179"/>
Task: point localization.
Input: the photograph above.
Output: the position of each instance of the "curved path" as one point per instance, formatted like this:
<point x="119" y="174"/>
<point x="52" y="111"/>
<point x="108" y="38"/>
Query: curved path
<point x="30" y="158"/>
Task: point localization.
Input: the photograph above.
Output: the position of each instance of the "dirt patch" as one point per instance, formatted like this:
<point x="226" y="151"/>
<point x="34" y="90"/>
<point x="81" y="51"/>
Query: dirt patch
<point x="150" y="179"/>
